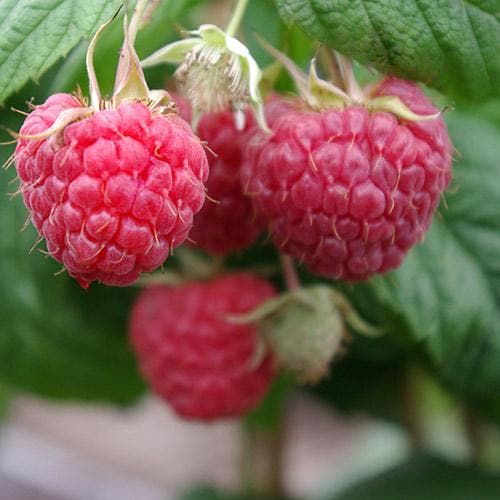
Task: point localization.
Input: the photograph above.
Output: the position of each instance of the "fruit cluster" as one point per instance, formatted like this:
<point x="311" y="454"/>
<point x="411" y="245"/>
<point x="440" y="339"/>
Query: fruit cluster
<point x="346" y="189"/>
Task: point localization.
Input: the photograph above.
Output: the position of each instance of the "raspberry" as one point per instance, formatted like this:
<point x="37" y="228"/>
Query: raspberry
<point x="349" y="192"/>
<point x="111" y="194"/>
<point x="227" y="222"/>
<point x="204" y="366"/>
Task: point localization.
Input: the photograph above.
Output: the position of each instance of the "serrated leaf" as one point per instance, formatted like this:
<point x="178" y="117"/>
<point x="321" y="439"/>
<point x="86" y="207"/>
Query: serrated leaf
<point x="450" y="45"/>
<point x="445" y="299"/>
<point x="426" y="478"/>
<point x="34" y="34"/>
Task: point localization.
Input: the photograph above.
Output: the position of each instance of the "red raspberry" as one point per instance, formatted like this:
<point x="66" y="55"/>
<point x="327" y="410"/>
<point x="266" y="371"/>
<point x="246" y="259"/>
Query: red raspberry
<point x="349" y="192"/>
<point x="113" y="193"/>
<point x="204" y="366"/>
<point x="227" y="222"/>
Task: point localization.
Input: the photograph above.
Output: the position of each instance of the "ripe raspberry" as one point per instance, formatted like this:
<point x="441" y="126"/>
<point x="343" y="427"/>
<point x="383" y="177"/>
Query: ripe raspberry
<point x="112" y="193"/>
<point x="204" y="366"/>
<point x="349" y="192"/>
<point x="227" y="222"/>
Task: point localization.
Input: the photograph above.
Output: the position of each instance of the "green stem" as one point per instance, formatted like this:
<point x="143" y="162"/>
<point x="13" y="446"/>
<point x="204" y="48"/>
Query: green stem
<point x="234" y="23"/>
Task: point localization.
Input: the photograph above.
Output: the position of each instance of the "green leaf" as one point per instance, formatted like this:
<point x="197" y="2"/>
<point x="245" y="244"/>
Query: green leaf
<point x="269" y="414"/>
<point x="56" y="339"/>
<point x="359" y="383"/>
<point x="445" y="299"/>
<point x="450" y="45"/>
<point x="34" y="34"/>
<point x="426" y="478"/>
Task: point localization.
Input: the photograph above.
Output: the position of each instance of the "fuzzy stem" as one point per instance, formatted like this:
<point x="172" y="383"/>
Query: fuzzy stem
<point x="289" y="272"/>
<point x="234" y="23"/>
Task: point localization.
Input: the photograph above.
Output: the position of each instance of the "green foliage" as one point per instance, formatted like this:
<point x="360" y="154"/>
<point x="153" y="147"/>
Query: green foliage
<point x="365" y="383"/>
<point x="34" y="35"/>
<point x="57" y="340"/>
<point x="5" y="395"/>
<point x="426" y="478"/>
<point x="444" y="300"/>
<point x="269" y="415"/>
<point x="450" y="45"/>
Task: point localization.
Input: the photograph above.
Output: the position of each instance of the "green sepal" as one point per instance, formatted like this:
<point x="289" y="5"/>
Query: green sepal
<point x="172" y="53"/>
<point x="323" y="94"/>
<point x="395" y="106"/>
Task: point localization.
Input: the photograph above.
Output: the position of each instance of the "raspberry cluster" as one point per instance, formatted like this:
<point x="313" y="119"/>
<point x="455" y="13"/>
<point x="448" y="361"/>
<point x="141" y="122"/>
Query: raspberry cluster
<point x="111" y="194"/>
<point x="346" y="181"/>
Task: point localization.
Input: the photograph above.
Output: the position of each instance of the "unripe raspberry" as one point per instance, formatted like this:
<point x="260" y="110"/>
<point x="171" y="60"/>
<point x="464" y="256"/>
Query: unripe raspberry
<point x="348" y="192"/>
<point x="203" y="365"/>
<point x="227" y="222"/>
<point x="112" y="193"/>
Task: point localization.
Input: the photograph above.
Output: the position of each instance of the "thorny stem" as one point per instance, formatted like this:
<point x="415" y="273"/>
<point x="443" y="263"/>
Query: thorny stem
<point x="290" y="273"/>
<point x="234" y="23"/>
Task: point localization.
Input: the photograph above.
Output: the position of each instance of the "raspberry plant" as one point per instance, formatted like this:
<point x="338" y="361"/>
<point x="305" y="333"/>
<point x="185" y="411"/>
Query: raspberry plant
<point x="384" y="283"/>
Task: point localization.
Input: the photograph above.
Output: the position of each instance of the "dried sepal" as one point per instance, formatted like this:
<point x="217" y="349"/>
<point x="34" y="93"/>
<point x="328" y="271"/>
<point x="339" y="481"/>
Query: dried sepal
<point x="323" y="94"/>
<point x="320" y="94"/>
<point x="66" y="117"/>
<point x="130" y="82"/>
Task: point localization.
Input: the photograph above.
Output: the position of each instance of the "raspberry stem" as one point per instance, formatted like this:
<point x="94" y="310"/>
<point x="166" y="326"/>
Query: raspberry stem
<point x="262" y="461"/>
<point x="289" y="272"/>
<point x="235" y="21"/>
